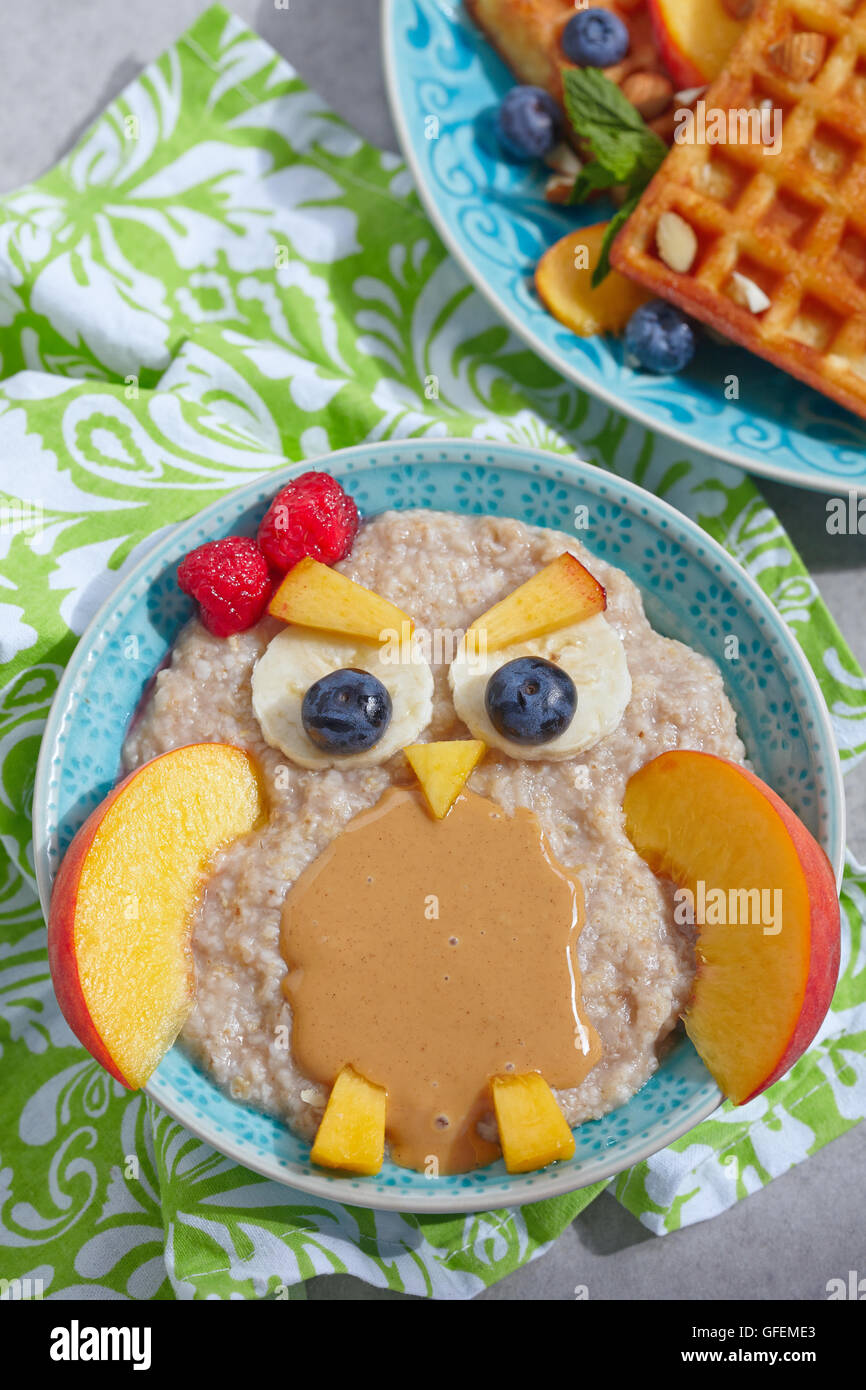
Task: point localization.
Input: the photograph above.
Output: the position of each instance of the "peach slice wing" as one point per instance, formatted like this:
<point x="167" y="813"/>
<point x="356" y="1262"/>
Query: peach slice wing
<point x="768" y="947"/>
<point x="120" y="919"/>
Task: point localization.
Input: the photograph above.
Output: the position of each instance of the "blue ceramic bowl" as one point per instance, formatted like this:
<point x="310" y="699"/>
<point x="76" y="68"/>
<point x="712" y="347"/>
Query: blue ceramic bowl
<point x="692" y="590"/>
<point x="444" y="83"/>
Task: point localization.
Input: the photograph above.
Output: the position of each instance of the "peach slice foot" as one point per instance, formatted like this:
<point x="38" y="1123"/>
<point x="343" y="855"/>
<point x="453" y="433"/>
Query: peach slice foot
<point x="768" y="947"/>
<point x="443" y="769"/>
<point x="532" y="1129"/>
<point x="119" y="926"/>
<point x="351" y="1135"/>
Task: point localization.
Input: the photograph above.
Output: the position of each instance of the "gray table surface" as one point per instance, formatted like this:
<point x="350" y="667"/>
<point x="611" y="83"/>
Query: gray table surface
<point x="61" y="62"/>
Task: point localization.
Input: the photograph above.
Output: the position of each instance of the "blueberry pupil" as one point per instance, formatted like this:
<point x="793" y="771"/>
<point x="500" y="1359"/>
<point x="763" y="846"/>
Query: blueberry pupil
<point x="347" y="711"/>
<point x="530" y="700"/>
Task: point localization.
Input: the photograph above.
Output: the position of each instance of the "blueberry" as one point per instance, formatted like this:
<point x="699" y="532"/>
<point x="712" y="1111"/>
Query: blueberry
<point x="527" y="123"/>
<point x="595" y="38"/>
<point x="660" y="337"/>
<point x="529" y="700"/>
<point x="346" y="711"/>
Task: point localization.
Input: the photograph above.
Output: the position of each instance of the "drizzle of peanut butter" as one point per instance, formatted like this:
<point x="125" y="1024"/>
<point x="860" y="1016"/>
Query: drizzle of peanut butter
<point x="431" y="956"/>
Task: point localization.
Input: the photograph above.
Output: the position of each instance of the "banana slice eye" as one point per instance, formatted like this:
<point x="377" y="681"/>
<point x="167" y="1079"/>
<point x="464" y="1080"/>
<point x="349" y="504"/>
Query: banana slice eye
<point x="591" y="657"/>
<point x="299" y="660"/>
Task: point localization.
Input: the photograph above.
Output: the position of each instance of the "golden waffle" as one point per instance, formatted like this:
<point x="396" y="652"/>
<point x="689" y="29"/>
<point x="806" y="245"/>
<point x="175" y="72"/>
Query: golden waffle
<point x="792" y="223"/>
<point x="526" y="34"/>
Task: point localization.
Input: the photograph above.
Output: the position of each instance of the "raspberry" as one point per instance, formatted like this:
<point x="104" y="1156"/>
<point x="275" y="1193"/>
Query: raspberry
<point x="230" y="581"/>
<point x="312" y="515"/>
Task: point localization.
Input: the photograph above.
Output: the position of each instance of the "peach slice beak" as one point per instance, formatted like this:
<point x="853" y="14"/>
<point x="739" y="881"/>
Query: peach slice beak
<point x="443" y="769"/>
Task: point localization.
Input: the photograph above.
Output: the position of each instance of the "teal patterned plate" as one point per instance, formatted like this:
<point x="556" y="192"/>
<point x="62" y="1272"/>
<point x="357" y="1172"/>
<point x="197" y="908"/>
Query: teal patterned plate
<point x="693" y="590"/>
<point x="444" y="83"/>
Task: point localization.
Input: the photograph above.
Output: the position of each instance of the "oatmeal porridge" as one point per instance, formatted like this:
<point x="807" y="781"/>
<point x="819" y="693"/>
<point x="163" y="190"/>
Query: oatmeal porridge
<point x="637" y="965"/>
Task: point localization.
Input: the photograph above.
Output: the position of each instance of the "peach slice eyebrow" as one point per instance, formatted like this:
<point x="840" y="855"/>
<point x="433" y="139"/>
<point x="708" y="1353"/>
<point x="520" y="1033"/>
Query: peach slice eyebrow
<point x="314" y="595"/>
<point x="561" y="593"/>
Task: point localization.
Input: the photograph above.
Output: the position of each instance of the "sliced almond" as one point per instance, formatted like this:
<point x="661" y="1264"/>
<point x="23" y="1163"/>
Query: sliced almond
<point x="689" y="95"/>
<point x="649" y="92"/>
<point x="314" y="1096"/>
<point x="747" y="294"/>
<point x="676" y="242"/>
<point x="799" y="56"/>
<point x="558" y="188"/>
<point x="563" y="160"/>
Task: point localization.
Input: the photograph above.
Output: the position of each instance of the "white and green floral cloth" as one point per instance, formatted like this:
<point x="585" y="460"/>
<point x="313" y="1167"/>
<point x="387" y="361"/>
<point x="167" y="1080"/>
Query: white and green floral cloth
<point x="219" y="276"/>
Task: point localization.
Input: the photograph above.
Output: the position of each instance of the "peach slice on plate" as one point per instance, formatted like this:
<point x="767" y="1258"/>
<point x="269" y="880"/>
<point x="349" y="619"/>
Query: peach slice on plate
<point x="694" y="37"/>
<point x="119" y="925"/>
<point x="768" y="945"/>
<point x="561" y="593"/>
<point x="563" y="278"/>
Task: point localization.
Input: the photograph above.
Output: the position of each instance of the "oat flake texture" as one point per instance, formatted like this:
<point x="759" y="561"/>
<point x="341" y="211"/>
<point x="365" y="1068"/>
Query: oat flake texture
<point x="153" y="359"/>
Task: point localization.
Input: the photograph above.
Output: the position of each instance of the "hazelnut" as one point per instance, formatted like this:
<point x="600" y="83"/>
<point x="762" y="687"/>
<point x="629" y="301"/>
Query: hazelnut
<point x="649" y="92"/>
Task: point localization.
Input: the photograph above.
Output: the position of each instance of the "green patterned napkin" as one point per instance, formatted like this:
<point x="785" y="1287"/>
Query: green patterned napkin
<point x="220" y="275"/>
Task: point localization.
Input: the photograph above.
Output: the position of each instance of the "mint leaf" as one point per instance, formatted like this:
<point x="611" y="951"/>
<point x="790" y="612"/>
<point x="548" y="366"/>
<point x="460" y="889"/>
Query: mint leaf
<point x="606" y="120"/>
<point x="620" y="216"/>
<point x="598" y="100"/>
<point x="626" y="150"/>
<point x="592" y="178"/>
